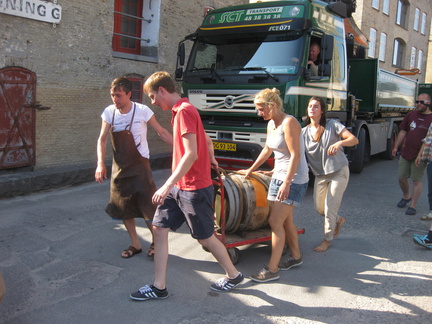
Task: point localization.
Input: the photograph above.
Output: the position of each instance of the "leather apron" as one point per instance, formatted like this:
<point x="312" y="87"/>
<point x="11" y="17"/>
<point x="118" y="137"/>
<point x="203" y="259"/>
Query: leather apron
<point x="132" y="186"/>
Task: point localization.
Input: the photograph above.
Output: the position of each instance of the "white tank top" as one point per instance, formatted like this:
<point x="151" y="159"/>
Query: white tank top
<point x="276" y="142"/>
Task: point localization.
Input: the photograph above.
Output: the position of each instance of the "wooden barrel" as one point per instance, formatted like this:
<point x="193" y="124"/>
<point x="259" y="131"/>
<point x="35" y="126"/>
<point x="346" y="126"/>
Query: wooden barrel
<point x="246" y="205"/>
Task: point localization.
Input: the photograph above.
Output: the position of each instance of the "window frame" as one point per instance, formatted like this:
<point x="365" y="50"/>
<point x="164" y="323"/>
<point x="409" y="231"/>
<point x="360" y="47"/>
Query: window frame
<point x="382" y="47"/>
<point x="375" y="4"/>
<point x="120" y="18"/>
<point x="372" y="42"/>
<point x="140" y="82"/>
<point x="399" y="47"/>
<point x="419" y="60"/>
<point x="386" y="7"/>
<point x="413" y="57"/>
<point x="423" y="23"/>
<point x="416" y="19"/>
<point x="402" y="14"/>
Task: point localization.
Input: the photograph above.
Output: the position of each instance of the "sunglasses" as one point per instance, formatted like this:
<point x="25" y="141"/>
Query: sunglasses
<point x="421" y="102"/>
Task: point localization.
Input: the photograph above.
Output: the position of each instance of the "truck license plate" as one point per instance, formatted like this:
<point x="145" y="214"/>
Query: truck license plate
<point x="225" y="146"/>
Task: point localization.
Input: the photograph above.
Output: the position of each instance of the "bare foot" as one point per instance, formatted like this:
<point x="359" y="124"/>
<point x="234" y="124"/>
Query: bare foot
<point x="339" y="225"/>
<point x="323" y="246"/>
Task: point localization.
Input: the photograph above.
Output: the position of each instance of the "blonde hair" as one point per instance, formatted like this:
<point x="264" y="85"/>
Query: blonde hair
<point x="268" y="96"/>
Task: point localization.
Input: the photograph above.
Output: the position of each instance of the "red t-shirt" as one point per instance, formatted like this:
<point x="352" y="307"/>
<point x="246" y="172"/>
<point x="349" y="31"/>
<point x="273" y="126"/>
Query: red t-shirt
<point x="416" y="125"/>
<point x="186" y="119"/>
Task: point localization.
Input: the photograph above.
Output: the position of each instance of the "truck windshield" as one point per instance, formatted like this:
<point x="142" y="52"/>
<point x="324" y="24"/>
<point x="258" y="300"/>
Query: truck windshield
<point x="275" y="54"/>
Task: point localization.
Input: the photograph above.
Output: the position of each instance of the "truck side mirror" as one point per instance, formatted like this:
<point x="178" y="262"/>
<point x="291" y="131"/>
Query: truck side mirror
<point x="327" y="48"/>
<point x="181" y="54"/>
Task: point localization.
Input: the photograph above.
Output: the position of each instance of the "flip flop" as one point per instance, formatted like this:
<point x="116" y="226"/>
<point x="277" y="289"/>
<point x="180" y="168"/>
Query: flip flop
<point x="130" y="252"/>
<point x="150" y="252"/>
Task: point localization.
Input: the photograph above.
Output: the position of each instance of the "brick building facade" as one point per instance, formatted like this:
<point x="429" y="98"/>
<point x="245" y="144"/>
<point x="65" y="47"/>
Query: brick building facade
<point x="398" y="32"/>
<point x="74" y="61"/>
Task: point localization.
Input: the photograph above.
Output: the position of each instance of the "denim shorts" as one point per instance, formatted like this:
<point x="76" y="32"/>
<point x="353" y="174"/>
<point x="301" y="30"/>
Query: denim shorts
<point x="194" y="207"/>
<point x="297" y="192"/>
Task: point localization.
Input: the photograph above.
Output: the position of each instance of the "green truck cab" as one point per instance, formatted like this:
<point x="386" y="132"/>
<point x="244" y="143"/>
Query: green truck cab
<point x="240" y="50"/>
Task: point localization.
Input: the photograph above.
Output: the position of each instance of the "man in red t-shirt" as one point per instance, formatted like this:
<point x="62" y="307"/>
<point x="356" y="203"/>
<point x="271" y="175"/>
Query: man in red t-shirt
<point x="187" y="195"/>
<point x="413" y="129"/>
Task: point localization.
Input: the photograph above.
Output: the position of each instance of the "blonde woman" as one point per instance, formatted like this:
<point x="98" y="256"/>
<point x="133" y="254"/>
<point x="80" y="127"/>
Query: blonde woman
<point x="288" y="184"/>
<point x="324" y="140"/>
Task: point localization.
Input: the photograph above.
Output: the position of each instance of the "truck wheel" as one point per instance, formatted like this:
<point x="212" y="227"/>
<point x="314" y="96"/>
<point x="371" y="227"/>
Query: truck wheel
<point x="387" y="154"/>
<point x="358" y="156"/>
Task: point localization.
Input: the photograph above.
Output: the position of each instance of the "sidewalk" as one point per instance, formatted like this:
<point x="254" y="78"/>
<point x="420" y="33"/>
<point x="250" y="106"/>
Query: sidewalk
<point x="17" y="183"/>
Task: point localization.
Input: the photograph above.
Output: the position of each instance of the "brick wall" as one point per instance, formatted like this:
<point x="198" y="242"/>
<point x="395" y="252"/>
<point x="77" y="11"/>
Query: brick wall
<point x="74" y="66"/>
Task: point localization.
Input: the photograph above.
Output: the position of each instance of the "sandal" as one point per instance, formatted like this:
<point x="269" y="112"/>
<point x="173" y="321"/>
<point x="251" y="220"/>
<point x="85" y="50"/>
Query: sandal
<point x="130" y="252"/>
<point x="150" y="252"/>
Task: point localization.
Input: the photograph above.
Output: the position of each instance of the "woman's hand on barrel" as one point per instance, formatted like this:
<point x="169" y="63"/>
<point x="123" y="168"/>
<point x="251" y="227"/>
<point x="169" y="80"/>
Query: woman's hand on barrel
<point x="246" y="172"/>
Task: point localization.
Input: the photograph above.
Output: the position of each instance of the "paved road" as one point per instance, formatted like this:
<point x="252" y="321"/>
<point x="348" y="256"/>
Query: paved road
<point x="60" y="258"/>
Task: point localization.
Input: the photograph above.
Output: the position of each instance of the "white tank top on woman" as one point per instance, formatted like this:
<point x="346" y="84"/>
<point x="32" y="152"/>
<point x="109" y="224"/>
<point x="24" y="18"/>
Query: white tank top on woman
<point x="276" y="142"/>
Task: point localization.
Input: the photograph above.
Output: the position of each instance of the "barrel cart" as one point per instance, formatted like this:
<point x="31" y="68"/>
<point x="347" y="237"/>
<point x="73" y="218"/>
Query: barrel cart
<point x="241" y="210"/>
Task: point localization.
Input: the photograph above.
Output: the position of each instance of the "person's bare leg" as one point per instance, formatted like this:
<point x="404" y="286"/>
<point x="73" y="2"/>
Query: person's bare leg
<point x="219" y="251"/>
<point x="160" y="256"/>
<point x="292" y="234"/>
<point x="278" y="216"/>
<point x="340" y="222"/>
<point x="417" y="188"/>
<point x="131" y="229"/>
<point x="405" y="187"/>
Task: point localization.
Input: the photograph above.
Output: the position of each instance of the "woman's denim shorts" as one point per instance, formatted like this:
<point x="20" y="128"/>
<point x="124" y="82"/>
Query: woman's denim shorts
<point x="297" y="192"/>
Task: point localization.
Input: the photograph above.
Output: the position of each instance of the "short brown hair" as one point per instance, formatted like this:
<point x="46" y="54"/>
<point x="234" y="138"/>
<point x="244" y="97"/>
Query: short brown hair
<point x="122" y="83"/>
<point x="159" y="79"/>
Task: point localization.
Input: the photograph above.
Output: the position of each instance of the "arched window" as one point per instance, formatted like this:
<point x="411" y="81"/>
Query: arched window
<point x="398" y="52"/>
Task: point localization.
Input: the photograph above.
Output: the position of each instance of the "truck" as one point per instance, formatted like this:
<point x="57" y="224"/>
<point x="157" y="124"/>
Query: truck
<point x="240" y="50"/>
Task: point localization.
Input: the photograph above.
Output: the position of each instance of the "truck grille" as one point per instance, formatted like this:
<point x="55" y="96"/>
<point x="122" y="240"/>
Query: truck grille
<point x="223" y="100"/>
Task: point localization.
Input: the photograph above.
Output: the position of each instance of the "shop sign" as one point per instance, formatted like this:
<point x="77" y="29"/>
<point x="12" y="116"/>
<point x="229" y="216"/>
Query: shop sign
<point x="32" y="9"/>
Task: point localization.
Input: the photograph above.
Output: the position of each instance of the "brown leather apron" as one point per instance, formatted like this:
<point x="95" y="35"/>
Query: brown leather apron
<point x="132" y="185"/>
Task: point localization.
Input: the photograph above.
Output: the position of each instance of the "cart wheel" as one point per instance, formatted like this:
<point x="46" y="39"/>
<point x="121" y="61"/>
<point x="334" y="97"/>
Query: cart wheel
<point x="234" y="255"/>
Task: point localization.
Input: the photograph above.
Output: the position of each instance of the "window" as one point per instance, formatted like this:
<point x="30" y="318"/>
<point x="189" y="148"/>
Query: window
<point x="398" y="52"/>
<point x="402" y="13"/>
<point x="375" y="4"/>
<point x="416" y="19"/>
<point x="137" y="88"/>
<point x="136" y="29"/>
<point x="382" y="46"/>
<point x="419" y="60"/>
<point x="423" y="23"/>
<point x="372" y="42"/>
<point x="413" y="57"/>
<point x="386" y="7"/>
<point x="127" y="26"/>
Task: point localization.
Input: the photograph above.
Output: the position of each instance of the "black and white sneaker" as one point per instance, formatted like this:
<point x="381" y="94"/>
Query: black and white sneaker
<point x="149" y="292"/>
<point x="226" y="284"/>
